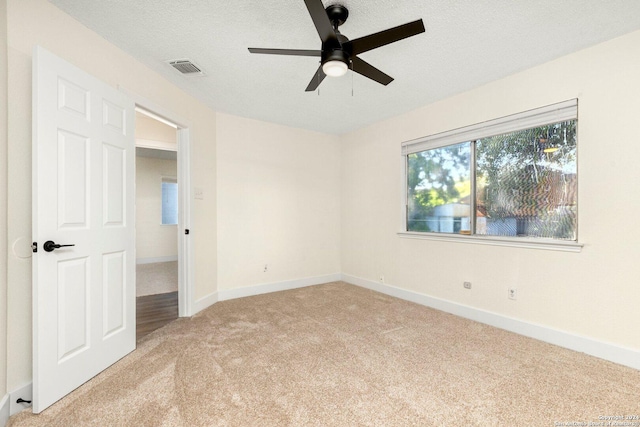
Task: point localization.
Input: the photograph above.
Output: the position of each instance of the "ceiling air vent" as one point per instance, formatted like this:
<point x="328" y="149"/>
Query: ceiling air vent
<point x="185" y="66"/>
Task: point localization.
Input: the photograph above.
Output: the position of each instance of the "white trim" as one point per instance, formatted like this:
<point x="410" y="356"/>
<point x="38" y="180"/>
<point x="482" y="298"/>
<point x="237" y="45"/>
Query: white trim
<point x="266" y="288"/>
<point x="4" y="410"/>
<point x="25" y="392"/>
<point x="156" y="145"/>
<point x="600" y="349"/>
<point x="514" y="242"/>
<point x="186" y="254"/>
<point x="156" y="117"/>
<point x="205" y="302"/>
<point x="151" y="108"/>
<point x="153" y="260"/>
<point x="560" y="112"/>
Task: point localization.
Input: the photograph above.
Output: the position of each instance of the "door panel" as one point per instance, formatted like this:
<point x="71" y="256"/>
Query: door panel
<point x="73" y="174"/>
<point x="83" y="194"/>
<point x="115" y="284"/>
<point x="73" y="313"/>
<point x="114" y="178"/>
<point x="114" y="117"/>
<point x="74" y="99"/>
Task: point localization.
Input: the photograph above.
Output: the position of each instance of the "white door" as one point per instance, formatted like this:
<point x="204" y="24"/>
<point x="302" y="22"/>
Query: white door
<point x="83" y="195"/>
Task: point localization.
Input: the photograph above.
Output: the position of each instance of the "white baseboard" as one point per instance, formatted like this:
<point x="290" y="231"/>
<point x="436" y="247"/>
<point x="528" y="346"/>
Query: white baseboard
<point x="603" y="350"/>
<point x="157" y="259"/>
<point x="4" y="410"/>
<point x="205" y="302"/>
<point x="25" y="392"/>
<point x="266" y="288"/>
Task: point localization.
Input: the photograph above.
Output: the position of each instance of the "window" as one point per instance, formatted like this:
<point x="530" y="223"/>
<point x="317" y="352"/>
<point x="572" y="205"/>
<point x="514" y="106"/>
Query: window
<point x="169" y="201"/>
<point x="514" y="177"/>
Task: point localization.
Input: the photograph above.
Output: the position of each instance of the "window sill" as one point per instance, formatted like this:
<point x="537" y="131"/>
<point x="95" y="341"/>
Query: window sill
<point x="545" y="244"/>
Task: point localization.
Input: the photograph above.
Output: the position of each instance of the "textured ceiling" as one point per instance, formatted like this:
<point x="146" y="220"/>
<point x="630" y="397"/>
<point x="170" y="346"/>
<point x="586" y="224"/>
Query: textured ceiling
<point x="466" y="44"/>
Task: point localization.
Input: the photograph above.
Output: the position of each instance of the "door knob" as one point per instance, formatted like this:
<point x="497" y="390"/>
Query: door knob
<point x="50" y="246"/>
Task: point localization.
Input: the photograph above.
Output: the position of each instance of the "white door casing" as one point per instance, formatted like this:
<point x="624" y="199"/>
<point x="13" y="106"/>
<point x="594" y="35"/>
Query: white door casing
<point x="186" y="294"/>
<point x="83" y="194"/>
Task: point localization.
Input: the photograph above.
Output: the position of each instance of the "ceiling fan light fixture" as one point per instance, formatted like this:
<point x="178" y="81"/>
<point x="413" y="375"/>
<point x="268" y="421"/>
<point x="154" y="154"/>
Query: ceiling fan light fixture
<point x="335" y="68"/>
<point x="338" y="54"/>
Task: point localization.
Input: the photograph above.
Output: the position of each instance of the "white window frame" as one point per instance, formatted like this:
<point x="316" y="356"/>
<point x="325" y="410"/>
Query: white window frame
<point x="563" y="111"/>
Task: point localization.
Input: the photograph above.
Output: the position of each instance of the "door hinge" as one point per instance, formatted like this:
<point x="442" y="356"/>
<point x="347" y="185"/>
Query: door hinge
<point x="186" y="231"/>
<point x="34" y="247"/>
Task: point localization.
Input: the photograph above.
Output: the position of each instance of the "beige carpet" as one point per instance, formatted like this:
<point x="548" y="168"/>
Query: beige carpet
<point x="339" y="355"/>
<point x="156" y="278"/>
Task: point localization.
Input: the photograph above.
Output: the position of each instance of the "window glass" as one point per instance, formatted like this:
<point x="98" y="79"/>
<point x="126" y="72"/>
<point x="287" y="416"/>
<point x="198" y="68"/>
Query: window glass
<point x="439" y="189"/>
<point x="526" y="183"/>
<point x="169" y="201"/>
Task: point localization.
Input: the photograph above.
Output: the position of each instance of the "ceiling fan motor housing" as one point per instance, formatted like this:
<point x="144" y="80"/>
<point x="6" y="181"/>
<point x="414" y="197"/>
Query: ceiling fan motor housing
<point x="336" y="55"/>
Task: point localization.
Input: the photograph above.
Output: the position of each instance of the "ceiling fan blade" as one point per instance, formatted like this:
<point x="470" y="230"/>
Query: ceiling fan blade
<point x="296" y="52"/>
<point x="318" y="77"/>
<point x="372" y="41"/>
<point x="321" y="21"/>
<point x="368" y="70"/>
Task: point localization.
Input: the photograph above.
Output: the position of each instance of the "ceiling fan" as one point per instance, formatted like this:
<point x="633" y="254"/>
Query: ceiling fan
<point x="338" y="53"/>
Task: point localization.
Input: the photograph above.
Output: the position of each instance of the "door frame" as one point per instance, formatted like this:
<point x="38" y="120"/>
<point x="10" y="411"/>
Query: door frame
<point x="186" y="291"/>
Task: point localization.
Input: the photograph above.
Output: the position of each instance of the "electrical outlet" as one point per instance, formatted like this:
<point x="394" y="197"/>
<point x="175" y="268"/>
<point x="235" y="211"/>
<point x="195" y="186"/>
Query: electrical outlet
<point x="513" y="293"/>
<point x="265" y="268"/>
<point x="467" y="285"/>
<point x="381" y="278"/>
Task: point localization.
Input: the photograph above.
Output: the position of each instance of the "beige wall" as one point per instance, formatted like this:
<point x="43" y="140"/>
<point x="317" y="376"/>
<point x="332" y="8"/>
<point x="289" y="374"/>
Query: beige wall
<point x="3" y="198"/>
<point x="153" y="240"/>
<point x="32" y="22"/>
<point x="278" y="203"/>
<point x="594" y="293"/>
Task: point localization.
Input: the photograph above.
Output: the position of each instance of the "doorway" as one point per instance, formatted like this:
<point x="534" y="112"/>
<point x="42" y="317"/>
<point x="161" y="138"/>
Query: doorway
<point x="157" y="219"/>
